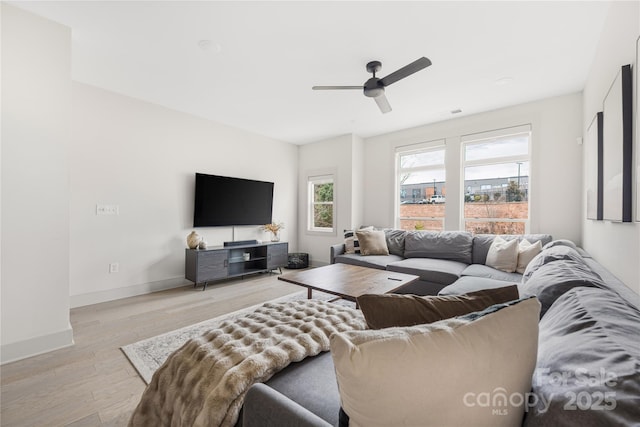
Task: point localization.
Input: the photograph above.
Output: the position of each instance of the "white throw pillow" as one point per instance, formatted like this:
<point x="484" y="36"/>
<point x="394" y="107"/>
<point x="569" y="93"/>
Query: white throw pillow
<point x="452" y="372"/>
<point x="526" y="252"/>
<point x="503" y="254"/>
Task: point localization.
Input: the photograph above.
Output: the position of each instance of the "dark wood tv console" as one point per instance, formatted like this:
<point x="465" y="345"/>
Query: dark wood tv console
<point x="222" y="262"/>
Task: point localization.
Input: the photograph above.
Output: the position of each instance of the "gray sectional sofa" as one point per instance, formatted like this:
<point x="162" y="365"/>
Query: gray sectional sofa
<point x="440" y="259"/>
<point x="589" y="336"/>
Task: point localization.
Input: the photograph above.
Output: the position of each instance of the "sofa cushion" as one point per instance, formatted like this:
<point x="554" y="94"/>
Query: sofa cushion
<point x="437" y="374"/>
<point x="389" y="310"/>
<point x="555" y="253"/>
<point x="503" y="255"/>
<point x="479" y="270"/>
<point x="373" y="261"/>
<point x="588" y="368"/>
<point x="450" y="245"/>
<point x="552" y="280"/>
<point x="482" y="243"/>
<point x="430" y="270"/>
<point x="395" y="241"/>
<point x="467" y="284"/>
<point x="372" y="242"/>
<point x="312" y="384"/>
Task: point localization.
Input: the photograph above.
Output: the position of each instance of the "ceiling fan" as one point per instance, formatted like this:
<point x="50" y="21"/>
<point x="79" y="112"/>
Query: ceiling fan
<point x="374" y="87"/>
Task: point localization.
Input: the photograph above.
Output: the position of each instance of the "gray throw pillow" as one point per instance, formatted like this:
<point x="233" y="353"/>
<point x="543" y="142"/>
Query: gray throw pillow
<point x="395" y="241"/>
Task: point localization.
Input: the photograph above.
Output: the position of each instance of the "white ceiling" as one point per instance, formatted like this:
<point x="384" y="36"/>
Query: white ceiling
<point x="265" y="56"/>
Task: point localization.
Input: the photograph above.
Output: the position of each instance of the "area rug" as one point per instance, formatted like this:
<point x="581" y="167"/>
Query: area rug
<point x="149" y="354"/>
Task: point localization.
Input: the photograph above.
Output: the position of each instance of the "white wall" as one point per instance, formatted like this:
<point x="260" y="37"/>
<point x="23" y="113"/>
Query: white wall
<point x="556" y="165"/>
<point x="341" y="156"/>
<point x="615" y="245"/>
<point x="357" y="181"/>
<point x="143" y="157"/>
<point x="36" y="114"/>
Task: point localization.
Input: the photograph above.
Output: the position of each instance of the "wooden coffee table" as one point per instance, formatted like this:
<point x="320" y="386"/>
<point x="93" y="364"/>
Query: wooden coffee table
<point x="348" y="281"/>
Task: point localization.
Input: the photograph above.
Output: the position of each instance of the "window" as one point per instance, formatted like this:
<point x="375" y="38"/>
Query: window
<point x="321" y="206"/>
<point x="421" y="190"/>
<point x="496" y="181"/>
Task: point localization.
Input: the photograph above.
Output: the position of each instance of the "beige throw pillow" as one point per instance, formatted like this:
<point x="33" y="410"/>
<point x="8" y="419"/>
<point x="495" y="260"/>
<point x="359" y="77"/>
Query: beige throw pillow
<point x="351" y="243"/>
<point x="372" y="242"/>
<point x="526" y="252"/>
<point x="503" y="255"/>
<point x="451" y="372"/>
<point x="389" y="310"/>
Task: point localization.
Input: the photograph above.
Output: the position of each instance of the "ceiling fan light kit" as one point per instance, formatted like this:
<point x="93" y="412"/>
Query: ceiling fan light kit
<point x="374" y="87"/>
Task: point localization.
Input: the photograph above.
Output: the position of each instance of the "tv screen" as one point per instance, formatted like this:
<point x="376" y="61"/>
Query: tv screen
<point x="225" y="201"/>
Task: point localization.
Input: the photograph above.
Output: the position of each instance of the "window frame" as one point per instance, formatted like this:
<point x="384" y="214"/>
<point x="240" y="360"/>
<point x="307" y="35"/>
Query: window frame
<point x="312" y="181"/>
<point x="483" y="137"/>
<point x="435" y="145"/>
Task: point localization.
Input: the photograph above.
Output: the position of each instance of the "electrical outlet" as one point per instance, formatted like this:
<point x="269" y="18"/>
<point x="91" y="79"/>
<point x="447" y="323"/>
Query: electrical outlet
<point x="114" y="267"/>
<point x="107" y="210"/>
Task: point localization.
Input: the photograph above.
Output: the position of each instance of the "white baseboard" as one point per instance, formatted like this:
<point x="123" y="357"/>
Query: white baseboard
<point x="34" y="346"/>
<point x="128" y="291"/>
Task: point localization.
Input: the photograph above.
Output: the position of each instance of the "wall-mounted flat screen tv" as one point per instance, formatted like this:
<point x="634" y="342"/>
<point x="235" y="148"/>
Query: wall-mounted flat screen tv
<point x="226" y="201"/>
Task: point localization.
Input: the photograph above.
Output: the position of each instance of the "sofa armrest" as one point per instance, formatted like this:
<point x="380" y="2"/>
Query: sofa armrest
<point x="335" y="251"/>
<point x="266" y="407"/>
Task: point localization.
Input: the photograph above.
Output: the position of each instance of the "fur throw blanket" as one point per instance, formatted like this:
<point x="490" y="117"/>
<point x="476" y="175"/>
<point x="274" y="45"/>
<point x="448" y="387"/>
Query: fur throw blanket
<point x="204" y="382"/>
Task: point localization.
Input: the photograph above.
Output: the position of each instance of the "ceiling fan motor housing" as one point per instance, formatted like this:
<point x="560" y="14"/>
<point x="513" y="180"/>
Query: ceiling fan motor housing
<point x="373" y="87"/>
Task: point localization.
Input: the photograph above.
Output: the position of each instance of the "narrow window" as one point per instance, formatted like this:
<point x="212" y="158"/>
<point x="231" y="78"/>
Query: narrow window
<point x="321" y="204"/>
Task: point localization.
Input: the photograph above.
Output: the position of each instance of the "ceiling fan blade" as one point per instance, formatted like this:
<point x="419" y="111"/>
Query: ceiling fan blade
<point x="405" y="71"/>
<point x="383" y="103"/>
<point x="336" y="87"/>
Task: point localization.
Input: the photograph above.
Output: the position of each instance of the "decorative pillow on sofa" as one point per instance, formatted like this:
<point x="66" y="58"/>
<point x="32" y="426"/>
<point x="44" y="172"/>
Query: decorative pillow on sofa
<point x="550" y="281"/>
<point x="351" y="243"/>
<point x="389" y="310"/>
<point x="482" y="243"/>
<point x="503" y="255"/>
<point x="395" y="241"/>
<point x="439" y="374"/>
<point x="526" y="252"/>
<point x="372" y="242"/>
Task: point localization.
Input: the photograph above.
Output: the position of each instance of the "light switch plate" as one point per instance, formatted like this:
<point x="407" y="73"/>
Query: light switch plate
<point x="107" y="210"/>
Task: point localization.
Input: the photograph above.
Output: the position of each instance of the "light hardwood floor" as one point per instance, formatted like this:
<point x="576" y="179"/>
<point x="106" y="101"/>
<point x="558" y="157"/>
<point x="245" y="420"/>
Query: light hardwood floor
<point x="92" y="383"/>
